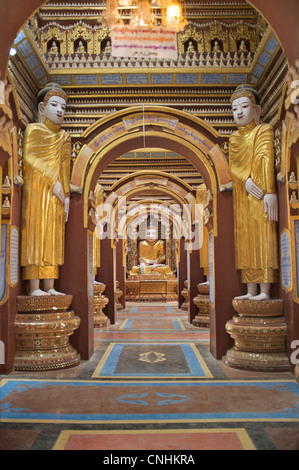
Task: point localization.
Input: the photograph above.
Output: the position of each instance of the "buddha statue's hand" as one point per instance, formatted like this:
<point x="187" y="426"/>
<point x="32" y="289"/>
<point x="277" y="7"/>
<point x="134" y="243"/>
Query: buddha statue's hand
<point x="271" y="207"/>
<point x="66" y="208"/>
<point x="253" y="189"/>
<point x="58" y="192"/>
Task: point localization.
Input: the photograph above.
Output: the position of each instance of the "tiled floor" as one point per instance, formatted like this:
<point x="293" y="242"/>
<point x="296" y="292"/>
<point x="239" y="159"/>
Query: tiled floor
<point x="152" y="384"/>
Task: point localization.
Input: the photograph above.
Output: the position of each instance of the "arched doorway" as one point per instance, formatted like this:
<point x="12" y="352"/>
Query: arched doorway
<point x="269" y="8"/>
<point x="144" y="196"/>
<point x="159" y="128"/>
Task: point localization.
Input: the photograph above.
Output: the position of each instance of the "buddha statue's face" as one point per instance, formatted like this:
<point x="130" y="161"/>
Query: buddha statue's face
<point x="54" y="110"/>
<point x="245" y="111"/>
<point x="151" y="234"/>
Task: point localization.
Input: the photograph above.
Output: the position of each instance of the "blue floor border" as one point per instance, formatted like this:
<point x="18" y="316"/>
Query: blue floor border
<point x="9" y="414"/>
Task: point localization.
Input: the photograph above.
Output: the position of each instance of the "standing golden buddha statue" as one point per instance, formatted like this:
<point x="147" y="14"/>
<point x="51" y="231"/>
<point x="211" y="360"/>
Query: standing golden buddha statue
<point x="251" y="163"/>
<point x="97" y="235"/>
<point x="201" y="193"/>
<point x="46" y="192"/>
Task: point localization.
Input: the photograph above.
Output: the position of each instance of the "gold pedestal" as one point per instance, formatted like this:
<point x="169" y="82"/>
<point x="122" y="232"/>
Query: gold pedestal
<point x="202" y="302"/>
<point x="43" y="326"/>
<point x="99" y="302"/>
<point x="185" y="294"/>
<point x="149" y="291"/>
<point x="118" y="294"/>
<point x="259" y="331"/>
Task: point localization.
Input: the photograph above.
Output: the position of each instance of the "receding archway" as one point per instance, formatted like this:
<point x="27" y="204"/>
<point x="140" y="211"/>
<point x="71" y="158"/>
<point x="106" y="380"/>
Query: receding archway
<point x="172" y="130"/>
<point x="125" y="204"/>
<point x="154" y="127"/>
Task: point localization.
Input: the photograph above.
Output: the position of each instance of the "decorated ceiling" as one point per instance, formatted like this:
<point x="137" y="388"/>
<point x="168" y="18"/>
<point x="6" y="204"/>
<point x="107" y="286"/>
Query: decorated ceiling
<point x="224" y="44"/>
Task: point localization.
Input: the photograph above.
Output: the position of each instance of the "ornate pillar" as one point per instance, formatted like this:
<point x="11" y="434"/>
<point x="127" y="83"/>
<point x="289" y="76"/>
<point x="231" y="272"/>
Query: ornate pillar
<point x="76" y="276"/>
<point x="182" y="272"/>
<point x="222" y="267"/>
<point x="121" y="272"/>
<point x="185" y="295"/>
<point x="107" y="276"/>
<point x="195" y="277"/>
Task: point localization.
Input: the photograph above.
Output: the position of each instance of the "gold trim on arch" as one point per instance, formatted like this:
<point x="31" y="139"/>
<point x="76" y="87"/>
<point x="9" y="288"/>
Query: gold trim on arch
<point x="155" y="109"/>
<point x="112" y="133"/>
<point x="97" y="157"/>
<point x="168" y="136"/>
<point x="141" y="173"/>
<point x="162" y="189"/>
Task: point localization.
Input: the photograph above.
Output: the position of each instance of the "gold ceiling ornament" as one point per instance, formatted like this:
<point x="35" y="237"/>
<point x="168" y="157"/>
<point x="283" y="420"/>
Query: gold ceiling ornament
<point x="174" y="14"/>
<point x="145" y="13"/>
<point x="143" y="16"/>
<point x="111" y="15"/>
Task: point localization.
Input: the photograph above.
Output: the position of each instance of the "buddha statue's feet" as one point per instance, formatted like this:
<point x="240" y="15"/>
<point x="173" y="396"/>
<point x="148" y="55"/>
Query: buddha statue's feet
<point x="54" y="292"/>
<point x="38" y="292"/>
<point x="244" y="297"/>
<point x="260" y="297"/>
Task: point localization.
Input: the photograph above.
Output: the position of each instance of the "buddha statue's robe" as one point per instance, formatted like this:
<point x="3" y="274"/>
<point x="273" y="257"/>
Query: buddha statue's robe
<point x="97" y="235"/>
<point x="251" y="155"/>
<point x="46" y="158"/>
<point x="149" y="252"/>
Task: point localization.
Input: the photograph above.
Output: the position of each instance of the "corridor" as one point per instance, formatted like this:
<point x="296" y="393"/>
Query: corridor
<point x="151" y="384"/>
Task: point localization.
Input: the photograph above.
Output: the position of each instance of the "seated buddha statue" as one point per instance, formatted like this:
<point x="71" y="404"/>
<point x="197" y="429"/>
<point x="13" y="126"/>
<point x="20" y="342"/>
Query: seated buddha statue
<point x="217" y="47"/>
<point x="54" y="48"/>
<point x="151" y="254"/>
<point x="81" y="48"/>
<point x="190" y="47"/>
<point x="243" y="47"/>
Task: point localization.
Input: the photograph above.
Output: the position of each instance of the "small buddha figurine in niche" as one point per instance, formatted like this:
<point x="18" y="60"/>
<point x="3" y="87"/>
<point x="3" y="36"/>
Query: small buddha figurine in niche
<point x="107" y="48"/>
<point x="6" y="203"/>
<point x="216" y="47"/>
<point x="251" y="164"/>
<point x="151" y="254"/>
<point x="242" y="47"/>
<point x="46" y="192"/>
<point x="293" y="197"/>
<point x="190" y="48"/>
<point x="54" y="48"/>
<point x="6" y="182"/>
<point x="81" y="48"/>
